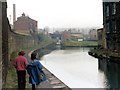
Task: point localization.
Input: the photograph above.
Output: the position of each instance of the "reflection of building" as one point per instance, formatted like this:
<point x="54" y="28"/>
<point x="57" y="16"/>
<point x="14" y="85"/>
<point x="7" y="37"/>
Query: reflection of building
<point x="111" y="72"/>
<point x="111" y="22"/>
<point x="25" y="24"/>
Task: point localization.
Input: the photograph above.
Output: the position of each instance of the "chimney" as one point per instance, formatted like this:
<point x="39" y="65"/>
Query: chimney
<point x="14" y="14"/>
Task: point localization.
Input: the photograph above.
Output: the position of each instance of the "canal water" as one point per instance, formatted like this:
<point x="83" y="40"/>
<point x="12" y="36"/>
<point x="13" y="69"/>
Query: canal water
<point x="77" y="69"/>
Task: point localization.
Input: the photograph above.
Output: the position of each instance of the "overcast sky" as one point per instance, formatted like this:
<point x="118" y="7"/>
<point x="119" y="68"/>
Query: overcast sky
<point x="60" y="13"/>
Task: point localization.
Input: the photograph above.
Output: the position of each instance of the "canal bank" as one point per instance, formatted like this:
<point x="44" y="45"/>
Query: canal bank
<point x="11" y="79"/>
<point x="75" y="68"/>
<point x="52" y="81"/>
<point x="111" y="56"/>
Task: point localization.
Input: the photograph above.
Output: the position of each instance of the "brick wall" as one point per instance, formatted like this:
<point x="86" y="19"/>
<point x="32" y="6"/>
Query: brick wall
<point x="25" y="24"/>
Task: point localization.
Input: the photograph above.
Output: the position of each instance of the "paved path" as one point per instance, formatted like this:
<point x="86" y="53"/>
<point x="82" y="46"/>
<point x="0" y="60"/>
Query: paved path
<point x="52" y="81"/>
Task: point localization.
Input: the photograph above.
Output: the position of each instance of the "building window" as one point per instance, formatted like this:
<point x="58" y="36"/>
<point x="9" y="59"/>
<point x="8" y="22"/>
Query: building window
<point x="114" y="25"/>
<point x="118" y="24"/>
<point x="107" y="10"/>
<point x="114" y="8"/>
<point x="108" y="27"/>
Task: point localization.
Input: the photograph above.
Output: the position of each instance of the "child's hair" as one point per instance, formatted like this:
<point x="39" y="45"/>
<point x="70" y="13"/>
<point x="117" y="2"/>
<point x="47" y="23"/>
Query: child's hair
<point x="33" y="55"/>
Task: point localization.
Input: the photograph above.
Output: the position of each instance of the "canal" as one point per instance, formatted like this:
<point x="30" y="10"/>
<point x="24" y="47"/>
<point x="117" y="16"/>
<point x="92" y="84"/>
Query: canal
<point x="77" y="69"/>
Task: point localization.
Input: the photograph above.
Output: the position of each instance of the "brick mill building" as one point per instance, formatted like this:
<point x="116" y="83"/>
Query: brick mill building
<point x="25" y="25"/>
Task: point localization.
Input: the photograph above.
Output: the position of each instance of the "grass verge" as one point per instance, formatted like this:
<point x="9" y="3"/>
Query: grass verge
<point x="11" y="81"/>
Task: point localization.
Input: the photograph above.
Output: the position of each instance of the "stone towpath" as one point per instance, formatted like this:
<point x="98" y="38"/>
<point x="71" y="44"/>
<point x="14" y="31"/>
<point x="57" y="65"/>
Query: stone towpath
<point x="52" y="81"/>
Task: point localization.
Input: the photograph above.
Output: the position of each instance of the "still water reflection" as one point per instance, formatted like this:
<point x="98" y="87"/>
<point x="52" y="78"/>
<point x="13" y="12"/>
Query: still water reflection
<point x="112" y="73"/>
<point x="77" y="69"/>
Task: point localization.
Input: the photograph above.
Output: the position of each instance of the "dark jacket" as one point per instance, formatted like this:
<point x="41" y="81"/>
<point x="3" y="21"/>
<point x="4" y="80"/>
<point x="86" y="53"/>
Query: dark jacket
<point x="34" y="69"/>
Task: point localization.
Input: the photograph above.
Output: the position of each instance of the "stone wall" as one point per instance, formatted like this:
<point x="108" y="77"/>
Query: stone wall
<point x="18" y="41"/>
<point x="0" y="45"/>
<point x="10" y="42"/>
<point x="4" y="42"/>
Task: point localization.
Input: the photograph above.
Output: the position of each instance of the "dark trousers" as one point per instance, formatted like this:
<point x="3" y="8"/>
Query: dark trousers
<point x="33" y="86"/>
<point x="21" y="75"/>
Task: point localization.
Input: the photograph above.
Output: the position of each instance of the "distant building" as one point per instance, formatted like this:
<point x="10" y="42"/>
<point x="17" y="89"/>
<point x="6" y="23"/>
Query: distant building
<point x="46" y="30"/>
<point x="56" y="35"/>
<point x="66" y="35"/>
<point x="75" y="34"/>
<point x="25" y="24"/>
<point x="101" y="38"/>
<point x="72" y="34"/>
<point x="111" y="23"/>
<point x="93" y="35"/>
